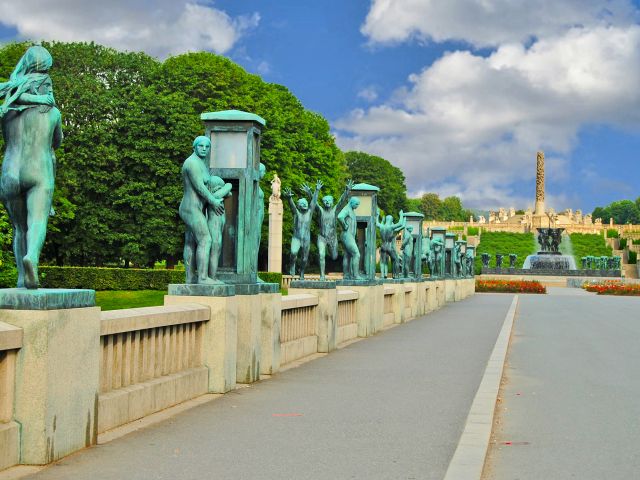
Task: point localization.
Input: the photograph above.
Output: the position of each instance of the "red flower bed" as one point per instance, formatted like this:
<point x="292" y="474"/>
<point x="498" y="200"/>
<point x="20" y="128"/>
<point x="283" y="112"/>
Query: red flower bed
<point x="510" y="286"/>
<point x="612" y="287"/>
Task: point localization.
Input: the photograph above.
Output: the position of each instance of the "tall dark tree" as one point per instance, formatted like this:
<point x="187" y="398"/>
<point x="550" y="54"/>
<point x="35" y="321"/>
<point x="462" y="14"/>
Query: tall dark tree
<point x="431" y="206"/>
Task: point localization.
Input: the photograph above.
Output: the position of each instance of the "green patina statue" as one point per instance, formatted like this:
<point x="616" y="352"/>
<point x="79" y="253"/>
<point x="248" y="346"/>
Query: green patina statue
<point x="31" y="126"/>
<point x="407" y="250"/>
<point x="388" y="233"/>
<point x="203" y="213"/>
<point x="328" y="238"/>
<point x="260" y="207"/>
<point x="351" y="257"/>
<point x="302" y="214"/>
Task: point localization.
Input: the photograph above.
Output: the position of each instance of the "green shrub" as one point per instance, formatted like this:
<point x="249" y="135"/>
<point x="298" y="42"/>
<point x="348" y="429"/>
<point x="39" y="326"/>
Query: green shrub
<point x="612" y="233"/>
<point x="633" y="257"/>
<point x="473" y="231"/>
<point x="271" y="277"/>
<point x="585" y="244"/>
<point x="623" y="244"/>
<point x="522" y="244"/>
<point x="96" y="278"/>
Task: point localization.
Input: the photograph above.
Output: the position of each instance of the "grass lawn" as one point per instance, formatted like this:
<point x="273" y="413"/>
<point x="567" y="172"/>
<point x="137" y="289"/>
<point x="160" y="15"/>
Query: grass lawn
<point x="522" y="244"/>
<point x="585" y="244"/>
<point x="117" y="299"/>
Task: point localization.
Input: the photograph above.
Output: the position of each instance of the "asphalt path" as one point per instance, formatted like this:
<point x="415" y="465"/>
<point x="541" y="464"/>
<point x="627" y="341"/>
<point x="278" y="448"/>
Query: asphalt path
<point x="392" y="406"/>
<point x="570" y="402"/>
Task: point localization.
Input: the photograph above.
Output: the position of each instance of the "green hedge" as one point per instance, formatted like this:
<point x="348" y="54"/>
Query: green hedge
<point x="473" y="231"/>
<point x="633" y="257"/>
<point x="612" y="233"/>
<point x="96" y="278"/>
<point x="623" y="244"/>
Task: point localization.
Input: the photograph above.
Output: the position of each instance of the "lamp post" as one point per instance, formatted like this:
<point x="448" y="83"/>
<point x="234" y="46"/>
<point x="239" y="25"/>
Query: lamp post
<point x="235" y="157"/>
<point x="449" y="242"/>
<point x="366" y="214"/>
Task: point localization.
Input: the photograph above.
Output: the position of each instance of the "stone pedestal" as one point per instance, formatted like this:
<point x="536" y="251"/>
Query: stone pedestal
<point x="219" y="338"/>
<point x="57" y="370"/>
<point x="274" y="260"/>
<point x="249" y="344"/>
<point x="327" y="324"/>
<point x="271" y="313"/>
<point x="397" y="285"/>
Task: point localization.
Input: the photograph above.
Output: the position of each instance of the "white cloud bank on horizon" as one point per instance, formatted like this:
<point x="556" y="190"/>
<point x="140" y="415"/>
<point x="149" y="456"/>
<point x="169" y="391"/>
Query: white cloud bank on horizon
<point x="470" y="125"/>
<point x="160" y="28"/>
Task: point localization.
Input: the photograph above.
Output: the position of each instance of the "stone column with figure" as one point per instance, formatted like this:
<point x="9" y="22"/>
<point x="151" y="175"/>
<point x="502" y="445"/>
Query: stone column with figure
<point x="276" y="210"/>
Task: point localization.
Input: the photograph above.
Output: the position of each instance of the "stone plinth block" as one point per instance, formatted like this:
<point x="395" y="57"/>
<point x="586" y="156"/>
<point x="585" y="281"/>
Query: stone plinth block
<point x="327" y="318"/>
<point x="313" y="284"/>
<point x="397" y="299"/>
<point x="370" y="306"/>
<point x="249" y="341"/>
<point x="199" y="290"/>
<point x="359" y="282"/>
<point x="57" y="376"/>
<point x="274" y="258"/>
<point x="393" y="280"/>
<point x="450" y="290"/>
<point x="264" y="287"/>
<point x="46" y="298"/>
<point x="271" y="313"/>
<point x="219" y="339"/>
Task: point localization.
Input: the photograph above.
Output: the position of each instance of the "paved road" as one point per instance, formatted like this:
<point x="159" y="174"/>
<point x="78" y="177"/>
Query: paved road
<point x="389" y="407"/>
<point x="571" y="403"/>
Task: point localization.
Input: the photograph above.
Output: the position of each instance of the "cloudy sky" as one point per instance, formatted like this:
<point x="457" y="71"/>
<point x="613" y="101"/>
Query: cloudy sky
<point x="460" y="94"/>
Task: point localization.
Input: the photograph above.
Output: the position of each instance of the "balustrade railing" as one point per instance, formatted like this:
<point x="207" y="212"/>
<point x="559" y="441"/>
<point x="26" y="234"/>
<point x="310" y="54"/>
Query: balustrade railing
<point x="146" y="343"/>
<point x="347" y="320"/>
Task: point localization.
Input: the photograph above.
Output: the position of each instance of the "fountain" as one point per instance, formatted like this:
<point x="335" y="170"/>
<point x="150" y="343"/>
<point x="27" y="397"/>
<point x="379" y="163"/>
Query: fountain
<point x="550" y="258"/>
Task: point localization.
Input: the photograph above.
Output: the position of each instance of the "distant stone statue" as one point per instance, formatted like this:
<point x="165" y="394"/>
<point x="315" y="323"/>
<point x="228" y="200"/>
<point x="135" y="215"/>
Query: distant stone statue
<point x="301" y="239"/>
<point x="348" y="222"/>
<point x="275" y="188"/>
<point x="499" y="260"/>
<point x="512" y="260"/>
<point x="486" y="258"/>
<point x="407" y="250"/>
<point x="328" y="238"/>
<point x="197" y="198"/>
<point x="457" y="260"/>
<point x="482" y="219"/>
<point x="388" y="233"/>
<point x="32" y="129"/>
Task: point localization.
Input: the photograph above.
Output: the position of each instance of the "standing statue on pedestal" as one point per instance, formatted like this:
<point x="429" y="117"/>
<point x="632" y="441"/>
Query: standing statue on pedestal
<point x="388" y="233"/>
<point x="31" y="127"/>
<point x="275" y="188"/>
<point x="327" y="223"/>
<point x="351" y="257"/>
<point x="196" y="200"/>
<point x="302" y="214"/>
<point x="407" y="250"/>
<point x="260" y="208"/>
<point x="457" y="260"/>
<point x="437" y="251"/>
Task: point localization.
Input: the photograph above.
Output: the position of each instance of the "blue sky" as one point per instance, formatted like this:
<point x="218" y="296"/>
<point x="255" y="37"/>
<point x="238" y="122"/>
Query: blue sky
<point x="458" y="93"/>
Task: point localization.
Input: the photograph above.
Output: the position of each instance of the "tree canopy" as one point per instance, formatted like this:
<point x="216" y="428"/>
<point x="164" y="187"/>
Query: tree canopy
<point x="129" y="121"/>
<point x="622" y="212"/>
<point x="365" y="168"/>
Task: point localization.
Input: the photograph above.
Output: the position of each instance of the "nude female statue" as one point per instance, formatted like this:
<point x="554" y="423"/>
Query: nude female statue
<point x="31" y="126"/>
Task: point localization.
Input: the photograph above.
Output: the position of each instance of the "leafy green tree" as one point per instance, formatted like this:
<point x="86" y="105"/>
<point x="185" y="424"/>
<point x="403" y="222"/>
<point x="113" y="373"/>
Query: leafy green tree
<point x="413" y="205"/>
<point x="431" y="206"/>
<point x="365" y="168"/>
<point x="622" y="212"/>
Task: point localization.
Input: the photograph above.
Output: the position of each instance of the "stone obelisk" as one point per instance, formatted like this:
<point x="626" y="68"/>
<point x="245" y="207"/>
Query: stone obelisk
<point x="274" y="259"/>
<point x="539" y="184"/>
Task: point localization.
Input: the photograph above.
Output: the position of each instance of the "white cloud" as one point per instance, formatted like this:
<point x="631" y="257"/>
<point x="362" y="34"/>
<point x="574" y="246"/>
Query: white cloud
<point x="488" y="22"/>
<point x="370" y="94"/>
<point x="471" y="125"/>
<point x="160" y="28"/>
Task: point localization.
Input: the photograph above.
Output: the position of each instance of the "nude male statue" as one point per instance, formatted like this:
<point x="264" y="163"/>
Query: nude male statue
<point x="388" y="233"/>
<point x="301" y="239"/>
<point x="196" y="181"/>
<point x="348" y="222"/>
<point x="407" y="250"/>
<point x="328" y="238"/>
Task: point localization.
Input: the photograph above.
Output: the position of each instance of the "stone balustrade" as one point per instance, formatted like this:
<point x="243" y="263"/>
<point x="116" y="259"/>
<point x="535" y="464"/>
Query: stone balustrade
<point x="150" y="359"/>
<point x="10" y="343"/>
<point x="139" y="361"/>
